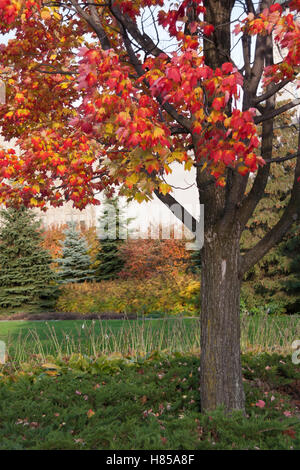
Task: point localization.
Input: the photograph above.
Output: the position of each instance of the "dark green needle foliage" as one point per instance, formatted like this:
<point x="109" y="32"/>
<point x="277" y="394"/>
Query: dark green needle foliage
<point x="291" y="250"/>
<point x="274" y="282"/>
<point x="75" y="264"/>
<point x="27" y="283"/>
<point x="112" y="229"/>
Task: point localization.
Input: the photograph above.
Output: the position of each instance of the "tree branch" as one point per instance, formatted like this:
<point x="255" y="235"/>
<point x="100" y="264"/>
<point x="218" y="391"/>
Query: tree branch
<point x="94" y="22"/>
<point x="270" y="92"/>
<point x="283" y="159"/>
<point x="249" y="204"/>
<point x="273" y="113"/>
<point x="184" y="122"/>
<point x="259" y="55"/>
<point x="179" y="211"/>
<point x="145" y="42"/>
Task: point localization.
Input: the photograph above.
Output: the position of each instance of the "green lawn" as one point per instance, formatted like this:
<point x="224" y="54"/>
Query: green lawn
<point x="25" y="338"/>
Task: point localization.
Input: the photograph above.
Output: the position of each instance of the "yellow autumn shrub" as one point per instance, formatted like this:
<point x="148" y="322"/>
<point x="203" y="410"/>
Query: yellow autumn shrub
<point x="174" y="295"/>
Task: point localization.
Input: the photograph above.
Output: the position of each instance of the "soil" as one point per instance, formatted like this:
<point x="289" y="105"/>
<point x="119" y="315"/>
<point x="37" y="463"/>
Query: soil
<point x="67" y="316"/>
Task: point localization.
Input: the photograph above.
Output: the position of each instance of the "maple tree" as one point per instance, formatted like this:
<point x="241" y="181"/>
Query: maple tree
<point x="96" y="102"/>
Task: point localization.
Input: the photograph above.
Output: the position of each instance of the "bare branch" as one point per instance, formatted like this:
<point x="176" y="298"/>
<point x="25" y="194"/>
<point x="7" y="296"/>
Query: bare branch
<point x="178" y="210"/>
<point x="178" y="130"/>
<point x="283" y="159"/>
<point x="271" y="91"/>
<point x="143" y="40"/>
<point x="250" y="7"/>
<point x="273" y="113"/>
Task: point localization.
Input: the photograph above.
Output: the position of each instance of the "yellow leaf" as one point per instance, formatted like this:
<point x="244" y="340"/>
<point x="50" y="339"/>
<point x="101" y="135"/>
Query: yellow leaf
<point x="140" y="197"/>
<point x="164" y="188"/>
<point x="188" y="165"/>
<point x="177" y="155"/>
<point x="52" y="373"/>
<point x="132" y="179"/>
<point x="57" y="15"/>
<point x="158" y="132"/>
<point x="109" y="128"/>
<point x="51" y="366"/>
<point x="204" y="166"/>
<point x="45" y="14"/>
<point x="33" y="201"/>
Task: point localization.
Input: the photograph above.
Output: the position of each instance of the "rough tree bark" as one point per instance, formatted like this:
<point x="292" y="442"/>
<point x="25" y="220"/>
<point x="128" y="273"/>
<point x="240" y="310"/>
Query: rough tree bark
<point x="220" y="367"/>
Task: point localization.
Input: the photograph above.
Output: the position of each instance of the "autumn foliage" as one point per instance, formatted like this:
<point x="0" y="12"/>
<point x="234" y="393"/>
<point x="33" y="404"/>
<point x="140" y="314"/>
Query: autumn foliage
<point x="53" y="238"/>
<point x="50" y="64"/>
<point x="150" y="258"/>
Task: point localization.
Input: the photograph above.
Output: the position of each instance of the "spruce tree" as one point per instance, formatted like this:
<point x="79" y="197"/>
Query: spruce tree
<point x="75" y="263"/>
<point x="109" y="259"/>
<point x="27" y="282"/>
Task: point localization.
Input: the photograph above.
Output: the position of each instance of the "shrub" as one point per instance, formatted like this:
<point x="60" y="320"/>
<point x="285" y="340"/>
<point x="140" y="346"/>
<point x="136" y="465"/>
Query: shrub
<point x="145" y="258"/>
<point x="171" y="296"/>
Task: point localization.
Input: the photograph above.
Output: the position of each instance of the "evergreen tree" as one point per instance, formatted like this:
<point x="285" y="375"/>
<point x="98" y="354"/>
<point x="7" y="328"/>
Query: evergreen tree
<point x="75" y="263"/>
<point x="27" y="282"/>
<point x="112" y="224"/>
<point x="274" y="281"/>
<point x="194" y="265"/>
<point x="291" y="250"/>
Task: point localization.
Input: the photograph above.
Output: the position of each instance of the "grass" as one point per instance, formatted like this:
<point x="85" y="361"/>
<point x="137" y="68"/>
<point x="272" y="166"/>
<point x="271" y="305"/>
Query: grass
<point x="134" y="385"/>
<point x="116" y="404"/>
<point x="25" y="339"/>
<point x="90" y="337"/>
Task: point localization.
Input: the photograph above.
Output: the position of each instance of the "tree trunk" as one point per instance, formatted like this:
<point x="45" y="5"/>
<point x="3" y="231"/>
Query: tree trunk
<point x="220" y="367"/>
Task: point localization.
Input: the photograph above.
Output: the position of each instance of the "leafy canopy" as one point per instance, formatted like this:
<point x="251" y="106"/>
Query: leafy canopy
<point x="91" y="114"/>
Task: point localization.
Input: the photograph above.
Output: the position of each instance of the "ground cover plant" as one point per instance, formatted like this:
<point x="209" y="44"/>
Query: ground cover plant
<point x="116" y="402"/>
